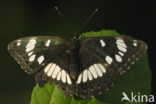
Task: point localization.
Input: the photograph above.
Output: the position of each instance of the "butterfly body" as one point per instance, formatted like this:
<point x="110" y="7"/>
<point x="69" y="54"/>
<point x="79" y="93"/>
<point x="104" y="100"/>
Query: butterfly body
<point x="74" y="65"/>
<point x="86" y="68"/>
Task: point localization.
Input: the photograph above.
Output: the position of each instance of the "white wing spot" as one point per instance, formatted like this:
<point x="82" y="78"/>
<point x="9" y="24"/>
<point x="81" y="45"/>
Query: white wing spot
<point x="90" y="76"/>
<point x="63" y="76"/>
<point x="121" y="44"/>
<point x="123" y="49"/>
<point x="40" y="59"/>
<point x="30" y="48"/>
<point x="30" y="53"/>
<point x="135" y="44"/>
<point x="120" y="53"/>
<point x="18" y="42"/>
<point x="79" y="79"/>
<point x="32" y="58"/>
<point x="32" y="41"/>
<point x="102" y="43"/>
<point x="68" y="80"/>
<point x="49" y="73"/>
<point x="93" y="72"/>
<point x="120" y="40"/>
<point x="108" y="59"/>
<point x="48" y="43"/>
<point x="47" y="67"/>
<point x="102" y="68"/>
<point x="31" y="45"/>
<point x="55" y="72"/>
<point x="98" y="70"/>
<point x="118" y="58"/>
<point x="59" y="76"/>
<point x="85" y="76"/>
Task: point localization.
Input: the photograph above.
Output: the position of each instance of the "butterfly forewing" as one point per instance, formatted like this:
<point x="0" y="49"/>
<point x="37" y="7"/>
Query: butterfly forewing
<point x="118" y="52"/>
<point x="32" y="53"/>
<point x="102" y="58"/>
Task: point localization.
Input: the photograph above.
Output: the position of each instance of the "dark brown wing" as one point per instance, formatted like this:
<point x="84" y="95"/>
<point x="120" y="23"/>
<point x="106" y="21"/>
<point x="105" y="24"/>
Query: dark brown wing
<point x="102" y="58"/>
<point x="32" y="53"/>
<point x="57" y="72"/>
<point x="46" y="57"/>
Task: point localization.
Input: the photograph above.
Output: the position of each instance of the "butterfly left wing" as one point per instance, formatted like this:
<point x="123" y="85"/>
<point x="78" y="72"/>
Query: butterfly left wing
<point x="102" y="58"/>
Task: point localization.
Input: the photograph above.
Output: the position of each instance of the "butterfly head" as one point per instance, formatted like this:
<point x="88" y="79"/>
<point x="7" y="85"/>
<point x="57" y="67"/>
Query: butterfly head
<point x="75" y="36"/>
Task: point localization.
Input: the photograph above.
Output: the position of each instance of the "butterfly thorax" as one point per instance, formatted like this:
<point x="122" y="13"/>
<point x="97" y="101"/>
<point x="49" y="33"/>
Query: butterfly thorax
<point x="74" y="56"/>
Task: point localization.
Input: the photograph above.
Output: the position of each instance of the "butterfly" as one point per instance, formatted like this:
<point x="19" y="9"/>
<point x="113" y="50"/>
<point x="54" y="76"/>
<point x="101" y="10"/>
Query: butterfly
<point x="85" y="68"/>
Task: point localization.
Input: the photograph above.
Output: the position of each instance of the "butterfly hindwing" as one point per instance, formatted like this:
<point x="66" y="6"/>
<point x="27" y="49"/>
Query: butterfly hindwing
<point x="95" y="76"/>
<point x="57" y="72"/>
<point x="104" y="57"/>
<point x="32" y="53"/>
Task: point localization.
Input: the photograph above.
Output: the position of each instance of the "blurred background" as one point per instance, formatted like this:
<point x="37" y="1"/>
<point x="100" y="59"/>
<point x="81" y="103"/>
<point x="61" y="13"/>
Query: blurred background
<point x="20" y="18"/>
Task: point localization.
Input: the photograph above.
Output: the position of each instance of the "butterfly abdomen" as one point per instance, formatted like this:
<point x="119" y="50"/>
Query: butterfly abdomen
<point x="74" y="64"/>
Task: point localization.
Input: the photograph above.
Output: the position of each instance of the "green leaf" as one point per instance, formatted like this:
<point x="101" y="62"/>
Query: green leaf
<point x="137" y="80"/>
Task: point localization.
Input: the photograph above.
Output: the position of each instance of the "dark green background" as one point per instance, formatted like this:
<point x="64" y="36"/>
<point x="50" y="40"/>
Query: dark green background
<point x="19" y="18"/>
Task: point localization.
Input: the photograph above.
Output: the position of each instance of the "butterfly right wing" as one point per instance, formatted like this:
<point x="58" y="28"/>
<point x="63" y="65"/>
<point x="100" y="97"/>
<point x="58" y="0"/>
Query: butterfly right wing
<point x="102" y="58"/>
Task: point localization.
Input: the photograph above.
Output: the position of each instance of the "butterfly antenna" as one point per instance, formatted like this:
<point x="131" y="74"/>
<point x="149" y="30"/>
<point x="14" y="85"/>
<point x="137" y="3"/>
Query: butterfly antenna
<point x="88" y="19"/>
<point x="62" y="18"/>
